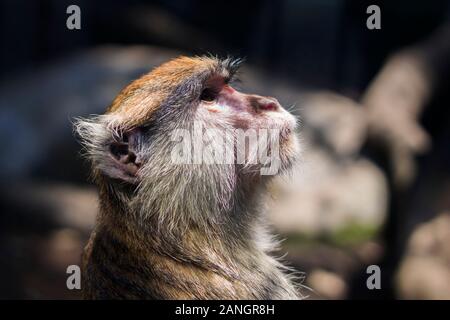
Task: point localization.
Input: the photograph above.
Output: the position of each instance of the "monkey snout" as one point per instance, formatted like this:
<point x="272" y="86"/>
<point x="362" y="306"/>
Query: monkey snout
<point x="264" y="103"/>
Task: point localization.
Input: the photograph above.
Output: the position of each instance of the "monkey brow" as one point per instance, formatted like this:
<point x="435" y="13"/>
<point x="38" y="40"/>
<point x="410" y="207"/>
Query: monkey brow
<point x="232" y="65"/>
<point x="233" y="79"/>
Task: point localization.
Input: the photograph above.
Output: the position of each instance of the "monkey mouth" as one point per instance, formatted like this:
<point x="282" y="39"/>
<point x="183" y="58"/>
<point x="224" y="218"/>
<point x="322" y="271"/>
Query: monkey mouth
<point x="282" y="120"/>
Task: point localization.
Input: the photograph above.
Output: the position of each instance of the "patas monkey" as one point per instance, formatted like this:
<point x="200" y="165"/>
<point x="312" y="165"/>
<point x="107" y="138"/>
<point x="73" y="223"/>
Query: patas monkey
<point x="182" y="231"/>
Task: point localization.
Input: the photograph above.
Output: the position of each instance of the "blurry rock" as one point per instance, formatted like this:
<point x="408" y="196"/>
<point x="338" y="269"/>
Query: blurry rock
<point x="44" y="227"/>
<point x="61" y="205"/>
<point x="337" y="121"/>
<point x="76" y="207"/>
<point x="398" y="96"/>
<point x="332" y="186"/>
<point x="369" y="252"/>
<point x="432" y="238"/>
<point x="424" y="278"/>
<point x="50" y="255"/>
<point x="394" y="102"/>
<point x="309" y="257"/>
<point x="327" y="284"/>
<point x="325" y="195"/>
<point x="425" y="270"/>
<point x="61" y="249"/>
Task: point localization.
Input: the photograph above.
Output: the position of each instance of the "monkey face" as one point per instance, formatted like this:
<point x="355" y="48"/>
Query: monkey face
<point x="191" y="98"/>
<point x="182" y="142"/>
<point x="243" y="111"/>
<point x="274" y="142"/>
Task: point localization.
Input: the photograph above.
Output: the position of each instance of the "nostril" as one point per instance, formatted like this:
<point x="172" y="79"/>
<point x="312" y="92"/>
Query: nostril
<point x="269" y="106"/>
<point x="263" y="103"/>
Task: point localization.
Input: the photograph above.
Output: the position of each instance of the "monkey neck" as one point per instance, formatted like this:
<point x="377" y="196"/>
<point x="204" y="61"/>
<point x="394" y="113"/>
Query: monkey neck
<point x="215" y="246"/>
<point x="234" y="228"/>
<point x="226" y="261"/>
<point x="215" y="261"/>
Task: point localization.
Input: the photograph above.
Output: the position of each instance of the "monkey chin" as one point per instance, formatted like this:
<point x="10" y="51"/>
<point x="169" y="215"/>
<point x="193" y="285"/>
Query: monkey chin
<point x="289" y="148"/>
<point x="290" y="151"/>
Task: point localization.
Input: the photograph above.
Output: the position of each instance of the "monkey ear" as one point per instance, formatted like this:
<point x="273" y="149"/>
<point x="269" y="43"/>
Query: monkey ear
<point x="116" y="156"/>
<point x="124" y="157"/>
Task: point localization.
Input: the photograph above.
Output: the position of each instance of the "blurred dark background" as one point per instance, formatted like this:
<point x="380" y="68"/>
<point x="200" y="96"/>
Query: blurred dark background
<point x="374" y="185"/>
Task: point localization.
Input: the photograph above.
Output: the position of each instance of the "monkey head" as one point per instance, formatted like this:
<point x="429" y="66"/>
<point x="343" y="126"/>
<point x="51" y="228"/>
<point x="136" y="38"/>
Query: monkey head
<point x="170" y="143"/>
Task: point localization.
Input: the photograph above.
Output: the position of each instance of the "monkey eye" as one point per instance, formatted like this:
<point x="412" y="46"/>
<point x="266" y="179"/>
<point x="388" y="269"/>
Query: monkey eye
<point x="208" y="95"/>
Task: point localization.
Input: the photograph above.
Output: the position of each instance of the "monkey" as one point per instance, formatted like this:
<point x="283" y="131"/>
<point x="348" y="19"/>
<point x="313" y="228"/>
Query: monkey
<point x="170" y="230"/>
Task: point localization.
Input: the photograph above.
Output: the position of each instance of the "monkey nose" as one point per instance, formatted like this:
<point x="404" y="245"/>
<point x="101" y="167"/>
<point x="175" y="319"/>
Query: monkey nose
<point x="265" y="103"/>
